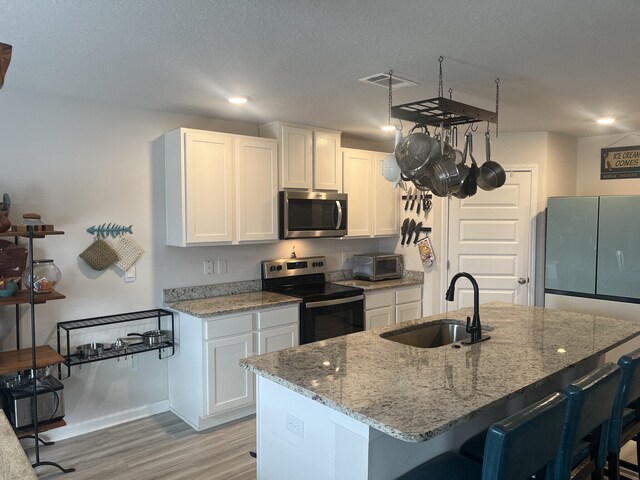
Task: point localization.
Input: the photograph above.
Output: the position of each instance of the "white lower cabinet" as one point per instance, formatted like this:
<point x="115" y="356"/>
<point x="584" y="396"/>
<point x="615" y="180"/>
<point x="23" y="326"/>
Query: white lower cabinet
<point x="391" y="306"/>
<point x="207" y="386"/>
<point x="228" y="385"/>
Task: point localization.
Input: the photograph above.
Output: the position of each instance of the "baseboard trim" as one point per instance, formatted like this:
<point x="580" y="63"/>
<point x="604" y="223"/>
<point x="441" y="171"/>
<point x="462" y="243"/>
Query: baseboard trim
<point x="75" y="429"/>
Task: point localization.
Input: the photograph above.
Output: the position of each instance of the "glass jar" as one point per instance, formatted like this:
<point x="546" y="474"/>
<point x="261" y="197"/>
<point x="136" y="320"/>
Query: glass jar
<point x="45" y="276"/>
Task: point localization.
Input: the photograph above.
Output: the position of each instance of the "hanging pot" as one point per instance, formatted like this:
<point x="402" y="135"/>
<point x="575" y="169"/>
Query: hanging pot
<point x="463" y="171"/>
<point x="491" y="174"/>
<point x="152" y="338"/>
<point x="413" y="151"/>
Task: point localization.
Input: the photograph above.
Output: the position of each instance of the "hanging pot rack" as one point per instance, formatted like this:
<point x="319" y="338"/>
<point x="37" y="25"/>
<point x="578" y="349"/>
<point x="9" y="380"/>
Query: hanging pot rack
<point x="444" y="112"/>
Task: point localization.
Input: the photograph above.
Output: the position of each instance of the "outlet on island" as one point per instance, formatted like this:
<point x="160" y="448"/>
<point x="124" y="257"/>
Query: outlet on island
<point x="295" y="425"/>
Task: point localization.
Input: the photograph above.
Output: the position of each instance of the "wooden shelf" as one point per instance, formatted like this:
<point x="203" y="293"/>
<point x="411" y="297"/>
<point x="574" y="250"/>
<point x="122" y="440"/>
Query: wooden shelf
<point x="23" y="297"/>
<point x="35" y="234"/>
<point x="42" y="427"/>
<point x="16" y="360"/>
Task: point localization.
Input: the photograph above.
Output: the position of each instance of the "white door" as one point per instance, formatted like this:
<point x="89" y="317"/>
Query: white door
<point x="257" y="189"/>
<point x="489" y="237"/>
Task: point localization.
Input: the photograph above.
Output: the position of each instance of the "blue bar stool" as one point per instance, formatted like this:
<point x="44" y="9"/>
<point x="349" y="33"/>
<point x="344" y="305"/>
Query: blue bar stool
<point x="590" y="403"/>
<point x="625" y="419"/>
<point x="516" y="448"/>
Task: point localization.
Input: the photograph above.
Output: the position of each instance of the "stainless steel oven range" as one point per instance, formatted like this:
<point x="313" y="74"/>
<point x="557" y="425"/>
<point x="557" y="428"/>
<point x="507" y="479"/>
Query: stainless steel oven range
<point x="327" y="309"/>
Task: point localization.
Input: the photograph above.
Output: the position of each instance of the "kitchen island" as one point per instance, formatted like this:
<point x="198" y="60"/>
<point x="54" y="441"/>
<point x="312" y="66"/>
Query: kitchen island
<point x="364" y="407"/>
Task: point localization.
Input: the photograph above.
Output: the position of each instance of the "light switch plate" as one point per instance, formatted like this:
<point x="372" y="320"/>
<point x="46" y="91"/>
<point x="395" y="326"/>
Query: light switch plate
<point x="130" y="275"/>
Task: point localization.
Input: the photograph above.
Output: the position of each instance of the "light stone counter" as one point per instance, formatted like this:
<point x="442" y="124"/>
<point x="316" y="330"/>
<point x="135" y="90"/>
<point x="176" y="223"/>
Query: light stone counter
<point x="382" y="284"/>
<point x="415" y="394"/>
<point x="207" y="307"/>
<point x="14" y="462"/>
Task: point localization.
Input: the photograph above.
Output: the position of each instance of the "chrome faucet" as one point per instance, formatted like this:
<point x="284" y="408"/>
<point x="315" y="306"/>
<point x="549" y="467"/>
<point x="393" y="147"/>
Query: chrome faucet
<point x="473" y="326"/>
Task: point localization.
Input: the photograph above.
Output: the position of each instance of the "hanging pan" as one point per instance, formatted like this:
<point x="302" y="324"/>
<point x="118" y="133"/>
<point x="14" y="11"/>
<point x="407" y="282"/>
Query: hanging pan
<point x="491" y="174"/>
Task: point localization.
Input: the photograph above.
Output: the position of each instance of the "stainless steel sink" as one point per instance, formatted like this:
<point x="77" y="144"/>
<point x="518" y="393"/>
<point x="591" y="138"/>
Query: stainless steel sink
<point x="430" y="335"/>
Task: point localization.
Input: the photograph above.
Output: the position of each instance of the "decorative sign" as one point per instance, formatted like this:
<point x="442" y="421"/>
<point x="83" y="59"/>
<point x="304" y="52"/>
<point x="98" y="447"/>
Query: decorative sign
<point x="620" y="162"/>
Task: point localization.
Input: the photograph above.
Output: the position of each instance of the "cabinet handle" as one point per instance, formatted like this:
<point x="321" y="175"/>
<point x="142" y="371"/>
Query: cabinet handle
<point x="339" y="221"/>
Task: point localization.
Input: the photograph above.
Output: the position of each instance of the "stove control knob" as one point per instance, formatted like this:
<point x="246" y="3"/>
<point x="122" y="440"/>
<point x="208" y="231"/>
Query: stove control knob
<point x="272" y="268"/>
<point x="279" y="267"/>
<point x="314" y="264"/>
<point x="320" y="264"/>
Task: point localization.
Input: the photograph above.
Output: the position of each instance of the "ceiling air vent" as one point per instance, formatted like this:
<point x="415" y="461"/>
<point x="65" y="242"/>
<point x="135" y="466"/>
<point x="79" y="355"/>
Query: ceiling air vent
<point x="382" y="80"/>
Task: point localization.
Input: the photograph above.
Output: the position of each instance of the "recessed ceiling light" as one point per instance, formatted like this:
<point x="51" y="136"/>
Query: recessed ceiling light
<point x="606" y="120"/>
<point x="388" y="128"/>
<point x="238" y="100"/>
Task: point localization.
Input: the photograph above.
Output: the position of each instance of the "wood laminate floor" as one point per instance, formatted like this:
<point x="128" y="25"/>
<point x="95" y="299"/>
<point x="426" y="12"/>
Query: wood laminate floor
<point x="164" y="447"/>
<point x="158" y="447"/>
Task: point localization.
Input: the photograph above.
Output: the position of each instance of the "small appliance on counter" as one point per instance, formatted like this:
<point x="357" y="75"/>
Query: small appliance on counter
<point x="378" y="266"/>
<point x="16" y="396"/>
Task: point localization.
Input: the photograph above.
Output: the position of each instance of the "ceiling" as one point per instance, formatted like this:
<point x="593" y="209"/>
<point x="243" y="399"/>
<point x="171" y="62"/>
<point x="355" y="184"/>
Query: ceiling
<point x="561" y="63"/>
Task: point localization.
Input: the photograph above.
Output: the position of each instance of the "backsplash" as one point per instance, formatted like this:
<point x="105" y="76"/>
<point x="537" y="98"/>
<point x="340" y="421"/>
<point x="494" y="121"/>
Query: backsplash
<point x="247" y="286"/>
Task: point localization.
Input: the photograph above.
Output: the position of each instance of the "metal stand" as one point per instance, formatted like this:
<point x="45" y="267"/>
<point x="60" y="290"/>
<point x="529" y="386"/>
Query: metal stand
<point x="34" y="403"/>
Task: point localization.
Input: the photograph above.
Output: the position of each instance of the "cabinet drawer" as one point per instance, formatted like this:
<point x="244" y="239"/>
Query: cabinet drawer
<point x="275" y="318"/>
<point x="406" y="295"/>
<point x="224" y="326"/>
<point x="379" y="299"/>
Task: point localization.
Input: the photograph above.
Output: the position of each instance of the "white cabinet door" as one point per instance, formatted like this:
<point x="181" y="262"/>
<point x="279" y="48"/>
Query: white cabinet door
<point x="256" y="189"/>
<point x="408" y="311"/>
<point x="296" y="157"/>
<point x="279" y="338"/>
<point x="357" y="171"/>
<point x="327" y="171"/>
<point x="209" y="173"/>
<point x="380" y="317"/>
<point x="228" y="385"/>
<point x="386" y="203"/>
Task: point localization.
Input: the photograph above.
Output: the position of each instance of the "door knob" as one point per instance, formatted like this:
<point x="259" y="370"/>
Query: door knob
<point x="522" y="280"/>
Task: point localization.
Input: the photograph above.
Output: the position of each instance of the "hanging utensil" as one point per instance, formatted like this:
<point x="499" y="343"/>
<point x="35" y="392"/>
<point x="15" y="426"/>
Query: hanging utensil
<point x="412" y="227"/>
<point x="419" y="203"/>
<point x="413" y="201"/>
<point x="418" y="230"/>
<point x="403" y="230"/>
<point x="409" y="193"/>
<point x="491" y="174"/>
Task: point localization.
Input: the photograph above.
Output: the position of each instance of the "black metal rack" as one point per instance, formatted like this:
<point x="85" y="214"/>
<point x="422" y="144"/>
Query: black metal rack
<point x="69" y="326"/>
<point x="441" y="111"/>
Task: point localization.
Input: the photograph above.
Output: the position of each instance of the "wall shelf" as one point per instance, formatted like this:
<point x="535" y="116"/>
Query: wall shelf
<point x="17" y="360"/>
<point x="22" y="297"/>
<point x="70" y="359"/>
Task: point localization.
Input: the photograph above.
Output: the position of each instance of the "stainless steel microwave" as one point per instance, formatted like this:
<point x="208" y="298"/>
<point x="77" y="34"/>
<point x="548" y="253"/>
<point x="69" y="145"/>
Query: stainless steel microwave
<point x="377" y="266"/>
<point x="312" y="214"/>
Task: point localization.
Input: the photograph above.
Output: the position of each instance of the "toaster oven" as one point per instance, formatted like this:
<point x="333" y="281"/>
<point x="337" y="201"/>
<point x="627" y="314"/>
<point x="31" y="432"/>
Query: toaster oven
<point x="378" y="266"/>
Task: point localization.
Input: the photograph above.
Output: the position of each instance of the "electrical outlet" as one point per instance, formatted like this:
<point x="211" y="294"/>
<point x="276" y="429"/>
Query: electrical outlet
<point x="295" y="425"/>
<point x="222" y="267"/>
<point x="209" y="267"/>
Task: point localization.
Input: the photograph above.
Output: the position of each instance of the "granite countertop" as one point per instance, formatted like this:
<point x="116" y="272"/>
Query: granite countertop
<point x="415" y="394"/>
<point x="207" y="307"/>
<point x="14" y="461"/>
<point x="382" y="284"/>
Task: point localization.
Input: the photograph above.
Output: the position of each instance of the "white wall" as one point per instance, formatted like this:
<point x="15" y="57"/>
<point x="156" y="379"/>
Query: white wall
<point x="588" y="179"/>
<point x="79" y="164"/>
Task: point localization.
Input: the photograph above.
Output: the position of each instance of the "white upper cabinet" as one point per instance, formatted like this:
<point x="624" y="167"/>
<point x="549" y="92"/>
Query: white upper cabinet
<point x="358" y="185"/>
<point x="256" y="189"/>
<point x="374" y="205"/>
<point x="309" y="157"/>
<point x="202" y="205"/>
<point x="327" y="171"/>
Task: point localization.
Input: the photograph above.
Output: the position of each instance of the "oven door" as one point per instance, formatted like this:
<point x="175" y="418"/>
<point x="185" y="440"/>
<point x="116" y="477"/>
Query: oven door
<point x="331" y="318"/>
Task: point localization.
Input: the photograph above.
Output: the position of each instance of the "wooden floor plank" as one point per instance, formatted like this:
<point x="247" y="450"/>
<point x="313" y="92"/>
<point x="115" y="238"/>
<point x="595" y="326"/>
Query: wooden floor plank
<point x="158" y="447"/>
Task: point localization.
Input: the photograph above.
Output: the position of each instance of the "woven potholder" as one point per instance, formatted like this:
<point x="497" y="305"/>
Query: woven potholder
<point x="128" y="253"/>
<point x="99" y="255"/>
